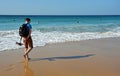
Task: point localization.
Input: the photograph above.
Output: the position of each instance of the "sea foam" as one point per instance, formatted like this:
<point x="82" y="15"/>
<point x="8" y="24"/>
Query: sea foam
<point x="9" y="38"/>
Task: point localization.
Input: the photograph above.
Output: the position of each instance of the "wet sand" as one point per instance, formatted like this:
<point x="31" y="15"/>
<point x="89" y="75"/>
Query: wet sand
<point x="99" y="57"/>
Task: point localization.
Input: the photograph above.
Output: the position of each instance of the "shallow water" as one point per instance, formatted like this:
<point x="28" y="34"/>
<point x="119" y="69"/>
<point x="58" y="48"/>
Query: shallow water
<point x="53" y="29"/>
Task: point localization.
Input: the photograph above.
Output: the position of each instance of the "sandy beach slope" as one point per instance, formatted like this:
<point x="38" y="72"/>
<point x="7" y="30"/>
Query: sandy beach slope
<point x="100" y="57"/>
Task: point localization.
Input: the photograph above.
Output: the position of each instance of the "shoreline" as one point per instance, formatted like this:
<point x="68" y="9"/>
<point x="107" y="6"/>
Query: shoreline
<point x="61" y="43"/>
<point x="98" y="57"/>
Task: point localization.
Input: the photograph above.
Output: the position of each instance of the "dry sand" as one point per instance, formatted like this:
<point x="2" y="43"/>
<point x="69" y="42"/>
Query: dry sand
<point x="98" y="57"/>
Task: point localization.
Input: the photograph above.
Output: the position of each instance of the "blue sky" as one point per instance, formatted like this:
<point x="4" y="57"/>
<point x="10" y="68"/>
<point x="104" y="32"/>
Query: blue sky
<point x="60" y="7"/>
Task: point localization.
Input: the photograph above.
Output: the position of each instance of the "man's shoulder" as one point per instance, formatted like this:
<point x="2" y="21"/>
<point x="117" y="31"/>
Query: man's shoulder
<point x="29" y="25"/>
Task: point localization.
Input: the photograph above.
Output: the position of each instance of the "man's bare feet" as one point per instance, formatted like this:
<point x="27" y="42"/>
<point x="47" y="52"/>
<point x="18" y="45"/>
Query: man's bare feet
<point x="24" y="56"/>
<point x="29" y="58"/>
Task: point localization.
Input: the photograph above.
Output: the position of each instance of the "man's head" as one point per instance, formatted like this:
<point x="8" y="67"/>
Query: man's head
<point x="27" y="20"/>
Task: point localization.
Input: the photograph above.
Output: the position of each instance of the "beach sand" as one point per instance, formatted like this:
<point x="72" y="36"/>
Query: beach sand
<point x="98" y="57"/>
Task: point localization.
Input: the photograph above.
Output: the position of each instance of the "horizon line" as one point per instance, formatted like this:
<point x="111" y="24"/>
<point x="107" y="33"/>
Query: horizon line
<point x="53" y="15"/>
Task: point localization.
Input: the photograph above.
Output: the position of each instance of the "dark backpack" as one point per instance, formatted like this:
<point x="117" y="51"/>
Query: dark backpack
<point x="23" y="30"/>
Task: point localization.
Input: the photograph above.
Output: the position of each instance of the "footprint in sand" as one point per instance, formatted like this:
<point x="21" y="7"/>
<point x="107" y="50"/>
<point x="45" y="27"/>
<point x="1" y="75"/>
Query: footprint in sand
<point x="20" y="61"/>
<point x="10" y="67"/>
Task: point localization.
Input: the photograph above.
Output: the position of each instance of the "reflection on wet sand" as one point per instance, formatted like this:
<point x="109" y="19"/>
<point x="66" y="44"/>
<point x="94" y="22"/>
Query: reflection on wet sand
<point x="27" y="69"/>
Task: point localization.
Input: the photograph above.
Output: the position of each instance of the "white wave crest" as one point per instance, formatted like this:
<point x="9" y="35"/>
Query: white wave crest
<point x="8" y="38"/>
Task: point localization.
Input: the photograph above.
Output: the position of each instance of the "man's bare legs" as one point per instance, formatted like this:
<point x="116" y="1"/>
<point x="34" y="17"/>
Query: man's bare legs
<point x="25" y="50"/>
<point x="28" y="43"/>
<point x="26" y="53"/>
<point x="26" y="47"/>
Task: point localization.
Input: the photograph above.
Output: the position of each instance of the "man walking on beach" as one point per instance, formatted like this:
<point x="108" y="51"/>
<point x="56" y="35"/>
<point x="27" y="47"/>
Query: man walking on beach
<point x="28" y="43"/>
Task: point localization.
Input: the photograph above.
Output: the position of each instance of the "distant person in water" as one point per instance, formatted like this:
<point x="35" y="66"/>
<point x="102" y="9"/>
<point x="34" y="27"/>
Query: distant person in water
<point x="28" y="43"/>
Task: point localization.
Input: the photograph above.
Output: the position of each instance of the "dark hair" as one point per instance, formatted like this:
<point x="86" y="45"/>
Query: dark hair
<point x="27" y="19"/>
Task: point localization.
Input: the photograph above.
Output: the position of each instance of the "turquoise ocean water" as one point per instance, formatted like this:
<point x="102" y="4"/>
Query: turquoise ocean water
<point x="54" y="29"/>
